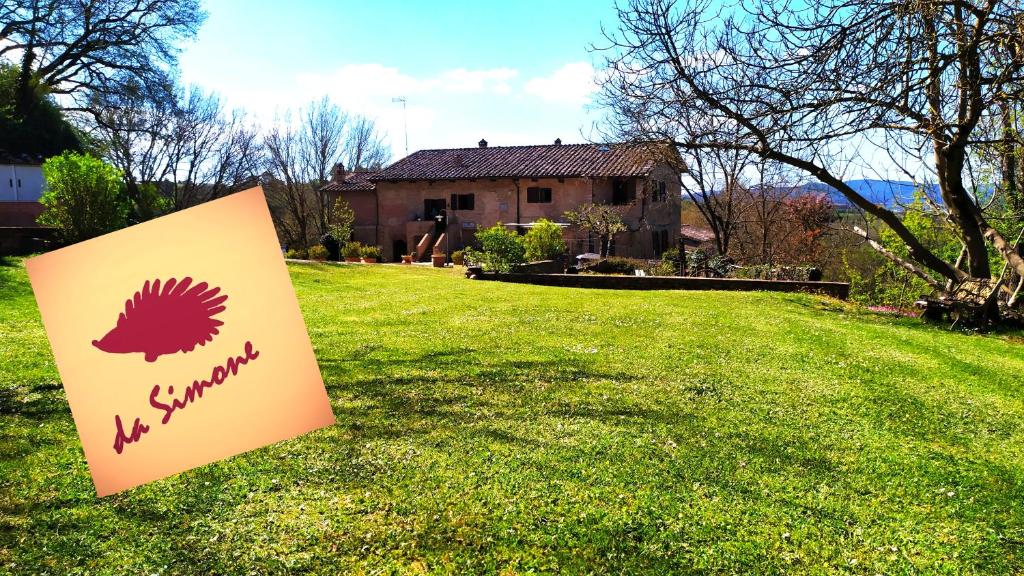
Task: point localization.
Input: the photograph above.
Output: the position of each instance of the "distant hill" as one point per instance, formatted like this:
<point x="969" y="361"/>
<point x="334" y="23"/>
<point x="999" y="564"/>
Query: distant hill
<point x="890" y="193"/>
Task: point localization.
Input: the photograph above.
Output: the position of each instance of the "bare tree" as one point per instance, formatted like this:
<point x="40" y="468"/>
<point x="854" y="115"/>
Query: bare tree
<point x="800" y="83"/>
<point x="716" y="183"/>
<point x="180" y="139"/>
<point x="602" y="220"/>
<point x="295" y="202"/>
<point x="300" y="156"/>
<point x="129" y="131"/>
<point x="365" y="147"/>
<point x="321" y="137"/>
<point x="209" y="152"/>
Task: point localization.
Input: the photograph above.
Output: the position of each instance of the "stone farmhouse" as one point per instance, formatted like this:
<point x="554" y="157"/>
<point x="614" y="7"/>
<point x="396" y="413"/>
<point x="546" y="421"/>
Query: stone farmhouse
<point x="442" y="197"/>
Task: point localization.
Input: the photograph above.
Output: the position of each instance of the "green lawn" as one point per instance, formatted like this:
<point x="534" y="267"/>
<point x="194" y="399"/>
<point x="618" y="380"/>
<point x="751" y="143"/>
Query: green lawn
<point x="486" y="427"/>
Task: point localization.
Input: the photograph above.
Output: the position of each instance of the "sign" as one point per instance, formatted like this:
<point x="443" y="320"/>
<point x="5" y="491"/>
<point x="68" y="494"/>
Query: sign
<point x="179" y="341"/>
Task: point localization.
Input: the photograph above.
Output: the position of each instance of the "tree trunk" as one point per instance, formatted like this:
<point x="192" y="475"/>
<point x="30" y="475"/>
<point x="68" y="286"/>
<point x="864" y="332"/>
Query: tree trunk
<point x="23" y="96"/>
<point x="962" y="210"/>
<point x="1009" y="163"/>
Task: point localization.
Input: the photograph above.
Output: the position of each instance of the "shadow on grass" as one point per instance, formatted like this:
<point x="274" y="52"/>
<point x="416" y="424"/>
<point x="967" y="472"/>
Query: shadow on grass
<point x="38" y="402"/>
<point x="410" y="397"/>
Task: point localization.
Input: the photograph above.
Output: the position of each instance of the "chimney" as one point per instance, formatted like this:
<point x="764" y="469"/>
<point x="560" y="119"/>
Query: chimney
<point x="558" y="141"/>
<point x="338" y="172"/>
<point x="482" y="143"/>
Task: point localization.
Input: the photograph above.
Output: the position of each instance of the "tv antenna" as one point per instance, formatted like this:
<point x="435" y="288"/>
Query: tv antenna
<point x="405" y="121"/>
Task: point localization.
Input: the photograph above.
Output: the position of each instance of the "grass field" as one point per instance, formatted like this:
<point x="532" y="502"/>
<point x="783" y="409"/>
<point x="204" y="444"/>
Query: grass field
<point x="498" y="428"/>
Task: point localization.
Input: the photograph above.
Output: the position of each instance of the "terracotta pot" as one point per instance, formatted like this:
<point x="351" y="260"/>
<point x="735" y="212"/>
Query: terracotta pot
<point x="369" y="260"/>
<point x="350" y="259"/>
<point x="438" y="260"/>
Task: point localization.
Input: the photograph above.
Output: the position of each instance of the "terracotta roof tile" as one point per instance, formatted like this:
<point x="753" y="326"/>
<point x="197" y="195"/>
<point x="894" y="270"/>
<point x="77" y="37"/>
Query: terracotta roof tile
<point x="696" y="233"/>
<point x="353" y="181"/>
<point x="547" y="161"/>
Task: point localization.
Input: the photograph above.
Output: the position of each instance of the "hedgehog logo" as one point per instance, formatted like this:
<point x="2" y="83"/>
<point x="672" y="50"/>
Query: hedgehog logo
<point x="166" y="321"/>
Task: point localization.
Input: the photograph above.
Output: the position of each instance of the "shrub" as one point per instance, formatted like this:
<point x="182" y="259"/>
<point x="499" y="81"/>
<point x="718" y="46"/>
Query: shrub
<point x="458" y="257"/>
<point x="331" y="245"/>
<point x="701" y="264"/>
<point x="615" y="265"/>
<point x="318" y="253"/>
<point x="500" y="249"/>
<point x="370" y="252"/>
<point x="662" y="268"/>
<point x="544" y="241"/>
<point x="296" y="254"/>
<point x="352" y="250"/>
<point x="150" y="204"/>
<point x="766" y="272"/>
<point x="84" y="197"/>
<point x="671" y="255"/>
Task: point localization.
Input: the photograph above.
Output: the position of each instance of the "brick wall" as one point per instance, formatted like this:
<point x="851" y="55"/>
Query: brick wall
<point x="20" y="213"/>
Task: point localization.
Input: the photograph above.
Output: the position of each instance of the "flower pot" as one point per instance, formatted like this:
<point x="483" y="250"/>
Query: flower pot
<point x="369" y="260"/>
<point x="438" y="260"/>
<point x="351" y="259"/>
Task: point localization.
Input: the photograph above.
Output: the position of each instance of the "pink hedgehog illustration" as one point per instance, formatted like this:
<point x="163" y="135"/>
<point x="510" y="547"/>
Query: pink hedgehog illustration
<point x="157" y="322"/>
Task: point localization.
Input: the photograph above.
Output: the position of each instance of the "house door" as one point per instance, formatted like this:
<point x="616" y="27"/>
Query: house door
<point x="28" y="182"/>
<point x="8" y="189"/>
<point x="401" y="249"/>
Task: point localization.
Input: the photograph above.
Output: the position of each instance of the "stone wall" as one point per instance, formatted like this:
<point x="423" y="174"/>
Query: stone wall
<point x="835" y="289"/>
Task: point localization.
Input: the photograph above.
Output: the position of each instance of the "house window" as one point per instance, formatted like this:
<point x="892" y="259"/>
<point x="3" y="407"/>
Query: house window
<point x="535" y="195"/>
<point x="463" y="201"/>
<point x="622" y="192"/>
<point x="432" y="207"/>
<point x="660" y="193"/>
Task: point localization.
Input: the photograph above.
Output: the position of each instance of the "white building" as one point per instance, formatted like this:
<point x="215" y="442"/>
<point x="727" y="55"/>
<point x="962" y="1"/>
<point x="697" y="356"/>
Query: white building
<point x="21" y="186"/>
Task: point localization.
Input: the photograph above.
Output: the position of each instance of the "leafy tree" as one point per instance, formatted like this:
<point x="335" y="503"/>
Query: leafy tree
<point x="602" y="220"/>
<point x="500" y="249"/>
<point x="544" y="241"/>
<point x="84" y="197"/>
<point x="882" y="280"/>
<point x="342" y="220"/>
<point x="339" y="230"/>
<point x="40" y="129"/>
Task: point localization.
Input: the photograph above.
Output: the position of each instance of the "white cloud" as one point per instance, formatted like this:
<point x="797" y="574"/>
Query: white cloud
<point x="473" y="81"/>
<point x="449" y="108"/>
<point x="571" y="84"/>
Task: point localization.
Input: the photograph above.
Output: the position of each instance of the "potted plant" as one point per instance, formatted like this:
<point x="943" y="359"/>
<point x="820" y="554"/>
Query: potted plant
<point x="407" y="258"/>
<point x="438" y="259"/>
<point x="352" y="251"/>
<point x="371" y="254"/>
<point x="458" y="257"/>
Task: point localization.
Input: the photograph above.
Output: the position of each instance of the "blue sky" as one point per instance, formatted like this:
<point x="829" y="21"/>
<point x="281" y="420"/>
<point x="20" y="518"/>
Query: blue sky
<point x="516" y="72"/>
